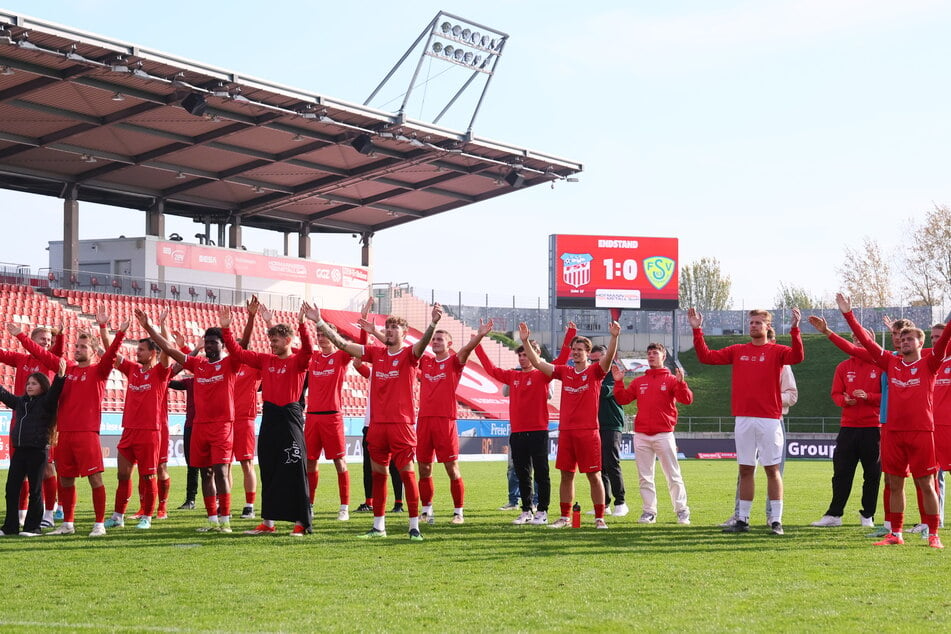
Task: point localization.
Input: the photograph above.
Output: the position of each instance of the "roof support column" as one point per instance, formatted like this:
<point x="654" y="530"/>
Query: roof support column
<point x="366" y="255"/>
<point x="234" y="233"/>
<point x="303" y="242"/>
<point x="71" y="230"/>
<point x="287" y="244"/>
<point x="155" y="219"/>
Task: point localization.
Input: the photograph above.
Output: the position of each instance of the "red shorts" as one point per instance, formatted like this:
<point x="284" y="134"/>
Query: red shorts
<point x="78" y="454"/>
<point x="437" y="435"/>
<point x="942" y="446"/>
<point x="163" y="443"/>
<point x="324" y="432"/>
<point x="141" y="447"/>
<point x="391" y="440"/>
<point x="244" y="441"/>
<point x="211" y="444"/>
<point x="904" y="451"/>
<point x="579" y="449"/>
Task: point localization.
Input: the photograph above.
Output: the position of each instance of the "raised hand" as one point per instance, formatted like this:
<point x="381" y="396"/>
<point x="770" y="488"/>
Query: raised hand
<point x="302" y="313"/>
<point x="13" y="329"/>
<point x="679" y="373"/>
<point x="312" y="312"/>
<point x="265" y="313"/>
<point x="179" y="339"/>
<point x="163" y="316"/>
<point x="614" y="328"/>
<point x="523" y="332"/>
<point x="843" y="302"/>
<point x="485" y="327"/>
<point x="102" y="317"/>
<point x="437" y="312"/>
<point x="819" y="324"/>
<point x="142" y="318"/>
<point x="796" y="318"/>
<point x="573" y="325"/>
<point x="367" y="307"/>
<point x="253" y="305"/>
<point x="124" y="325"/>
<point x="617" y="373"/>
<point x="224" y="316"/>
<point x="62" y="367"/>
<point x="694" y="318"/>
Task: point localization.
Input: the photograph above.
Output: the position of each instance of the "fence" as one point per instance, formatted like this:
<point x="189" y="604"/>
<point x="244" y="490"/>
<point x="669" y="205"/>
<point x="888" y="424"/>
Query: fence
<point x="724" y="424"/>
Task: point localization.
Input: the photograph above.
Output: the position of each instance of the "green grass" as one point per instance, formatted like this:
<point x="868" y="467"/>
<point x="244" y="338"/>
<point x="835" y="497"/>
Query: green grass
<point x="486" y="575"/>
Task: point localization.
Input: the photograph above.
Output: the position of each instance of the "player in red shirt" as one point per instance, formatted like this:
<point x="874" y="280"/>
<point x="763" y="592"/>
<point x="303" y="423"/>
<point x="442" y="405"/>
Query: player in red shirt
<point x="908" y="437"/>
<point x="246" y="387"/>
<point x="757" y="404"/>
<point x="579" y="438"/>
<point x="26" y="364"/>
<point x="391" y="434"/>
<point x="281" y="445"/>
<point x="212" y="430"/>
<point x="79" y="451"/>
<point x="436" y="433"/>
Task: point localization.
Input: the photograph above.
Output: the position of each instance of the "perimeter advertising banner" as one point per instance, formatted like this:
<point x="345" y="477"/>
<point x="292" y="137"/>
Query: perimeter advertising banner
<point x="614" y="272"/>
<point x="218" y="260"/>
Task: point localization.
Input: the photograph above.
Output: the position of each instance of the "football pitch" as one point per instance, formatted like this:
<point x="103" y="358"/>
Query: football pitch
<point x="486" y="575"/>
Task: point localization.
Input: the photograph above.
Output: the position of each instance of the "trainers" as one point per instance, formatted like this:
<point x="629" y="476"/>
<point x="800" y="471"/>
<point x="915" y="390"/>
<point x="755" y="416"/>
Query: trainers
<point x="161" y="515"/>
<point x="933" y="540"/>
<point x="373" y="534"/>
<point x="187" y="505"/>
<point x="415" y="535"/>
<point x="58" y="515"/>
<point x="457" y="518"/>
<point x="364" y="508"/>
<point x="511" y="506"/>
<point x="210" y="527"/>
<point x="881" y="531"/>
<point x="827" y="521"/>
<point x="738" y="527"/>
<point x="729" y="522"/>
<point x="47" y="524"/>
<point x="300" y="531"/>
<point x="777" y="528"/>
<point x="620" y="510"/>
<point x="647" y="518"/>
<point x="139" y="514"/>
<point x="429" y="518"/>
<point x="144" y="523"/>
<point x="98" y="530"/>
<point x="343" y="515"/>
<point x="600" y="523"/>
<point x="30" y="534"/>
<point x="247" y="513"/>
<point x="867" y="522"/>
<point x="559" y="523"/>
<point x="397" y="508"/>
<point x="64" y="529"/>
<point x="114" y="522"/>
<point x="683" y="517"/>
<point x="541" y="518"/>
<point x="224" y="525"/>
<point x="891" y="540"/>
<point x="920" y="529"/>
<point x="261" y="529"/>
<point x="524" y="518"/>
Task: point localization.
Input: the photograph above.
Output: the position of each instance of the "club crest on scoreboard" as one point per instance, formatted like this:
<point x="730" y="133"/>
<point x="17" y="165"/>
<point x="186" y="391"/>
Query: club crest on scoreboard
<point x="659" y="270"/>
<point x="576" y="269"/>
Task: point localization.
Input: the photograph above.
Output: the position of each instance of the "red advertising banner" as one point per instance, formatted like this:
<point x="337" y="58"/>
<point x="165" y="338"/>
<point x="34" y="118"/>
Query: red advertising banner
<point x="614" y="272"/>
<point x="220" y="260"/>
<point x="476" y="389"/>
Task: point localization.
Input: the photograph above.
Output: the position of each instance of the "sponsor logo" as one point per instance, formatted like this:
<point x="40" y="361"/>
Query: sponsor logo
<point x="434" y="378"/>
<point x="293" y="454"/>
<point x="218" y="378"/>
<point x="805" y="449"/>
<point x="575" y="390"/>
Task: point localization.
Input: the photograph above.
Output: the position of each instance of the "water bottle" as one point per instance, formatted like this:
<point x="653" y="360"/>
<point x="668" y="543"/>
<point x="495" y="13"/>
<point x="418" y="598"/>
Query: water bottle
<point x="576" y="516"/>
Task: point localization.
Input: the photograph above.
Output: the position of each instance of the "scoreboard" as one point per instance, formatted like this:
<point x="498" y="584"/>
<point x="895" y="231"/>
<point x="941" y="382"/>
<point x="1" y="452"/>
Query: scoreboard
<point x="613" y="272"/>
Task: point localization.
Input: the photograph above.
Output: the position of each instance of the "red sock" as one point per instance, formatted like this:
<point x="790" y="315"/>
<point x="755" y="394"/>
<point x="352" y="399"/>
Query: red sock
<point x="932" y="522"/>
<point x="224" y="505"/>
<point x="149" y="493"/>
<point x="249" y="497"/>
<point x="369" y="502"/>
<point x="565" y="509"/>
<point x="99" y="503"/>
<point x="25" y="495"/>
<point x="427" y="489"/>
<point x="67" y="497"/>
<point x="162" y="488"/>
<point x="887" y="500"/>
<point x="921" y="507"/>
<point x="141" y="489"/>
<point x="898" y="522"/>
<point x="312" y="484"/>
<point x="343" y="485"/>
<point x="411" y="491"/>
<point x="50" y="485"/>
<point x="599" y="511"/>
<point x="123" y="493"/>
<point x="379" y="494"/>
<point x="211" y="505"/>
<point x="458" y="489"/>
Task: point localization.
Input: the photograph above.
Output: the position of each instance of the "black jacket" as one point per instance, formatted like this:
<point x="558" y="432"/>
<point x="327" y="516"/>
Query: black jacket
<point x="33" y="416"/>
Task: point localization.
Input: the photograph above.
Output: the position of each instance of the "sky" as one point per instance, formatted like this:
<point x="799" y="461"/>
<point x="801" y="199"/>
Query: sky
<point x="766" y="134"/>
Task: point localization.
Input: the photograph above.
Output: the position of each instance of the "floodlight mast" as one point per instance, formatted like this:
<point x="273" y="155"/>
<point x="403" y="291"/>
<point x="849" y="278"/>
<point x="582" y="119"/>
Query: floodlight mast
<point x="466" y="48"/>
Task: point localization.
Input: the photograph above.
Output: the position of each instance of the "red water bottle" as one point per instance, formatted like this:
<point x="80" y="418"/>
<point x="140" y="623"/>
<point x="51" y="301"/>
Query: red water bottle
<point x="576" y="516"/>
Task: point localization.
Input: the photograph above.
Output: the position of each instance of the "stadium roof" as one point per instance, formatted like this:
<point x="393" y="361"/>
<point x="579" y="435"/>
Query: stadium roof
<point x="109" y="122"/>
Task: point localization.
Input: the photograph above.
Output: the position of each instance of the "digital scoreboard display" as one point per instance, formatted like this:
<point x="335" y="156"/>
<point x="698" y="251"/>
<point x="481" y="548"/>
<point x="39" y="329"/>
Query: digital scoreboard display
<point x="613" y="272"/>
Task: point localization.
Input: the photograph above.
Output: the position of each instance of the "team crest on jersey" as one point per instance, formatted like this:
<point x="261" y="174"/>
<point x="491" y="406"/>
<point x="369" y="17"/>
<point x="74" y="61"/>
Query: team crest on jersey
<point x="663" y="388"/>
<point x="873" y="375"/>
<point x="330" y="361"/>
<point x="442" y="366"/>
<point x="947" y="370"/>
<point x="293" y="454"/>
<point x="659" y="270"/>
<point x="528" y="382"/>
<point x="395" y="362"/>
<point x="914" y="370"/>
<point x="217" y="366"/>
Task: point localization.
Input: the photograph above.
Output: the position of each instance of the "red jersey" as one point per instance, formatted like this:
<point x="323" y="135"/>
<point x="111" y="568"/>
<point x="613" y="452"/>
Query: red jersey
<point x="392" y="399"/>
<point x="246" y="383"/>
<point x="26" y="364"/>
<point x="80" y="404"/>
<point x="145" y="395"/>
<point x="325" y="375"/>
<point x="438" y="382"/>
<point x="656" y="393"/>
<point x="282" y="380"/>
<point x="528" y="394"/>
<point x="855" y="374"/>
<point x="580" y="395"/>
<point x="213" y="388"/>
<point x="942" y="394"/>
<point x="755" y="389"/>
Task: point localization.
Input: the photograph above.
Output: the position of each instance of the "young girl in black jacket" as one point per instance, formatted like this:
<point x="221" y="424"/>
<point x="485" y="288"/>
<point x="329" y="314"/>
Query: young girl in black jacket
<point x="35" y="420"/>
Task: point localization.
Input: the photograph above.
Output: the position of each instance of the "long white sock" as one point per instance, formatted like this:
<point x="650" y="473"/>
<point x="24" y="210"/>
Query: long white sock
<point x="379" y="523"/>
<point x="776" y="511"/>
<point x="745" y="507"/>
<point x="414" y="523"/>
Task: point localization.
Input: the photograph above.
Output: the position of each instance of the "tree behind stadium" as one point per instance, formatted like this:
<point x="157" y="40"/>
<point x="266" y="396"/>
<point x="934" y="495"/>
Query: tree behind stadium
<point x="704" y="286"/>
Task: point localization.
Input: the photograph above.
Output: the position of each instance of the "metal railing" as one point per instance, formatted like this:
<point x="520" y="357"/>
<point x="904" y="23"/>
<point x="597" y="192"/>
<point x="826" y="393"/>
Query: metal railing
<point x="725" y="424"/>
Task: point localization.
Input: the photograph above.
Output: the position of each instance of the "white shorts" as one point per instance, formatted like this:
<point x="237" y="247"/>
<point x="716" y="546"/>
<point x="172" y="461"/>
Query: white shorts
<point x="759" y="438"/>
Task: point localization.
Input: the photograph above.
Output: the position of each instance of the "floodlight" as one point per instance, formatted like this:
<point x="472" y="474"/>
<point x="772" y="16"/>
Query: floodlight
<point x="476" y="37"/>
<point x="456" y="30"/>
<point x="437" y="47"/>
<point x="195" y="104"/>
<point x="363" y="144"/>
<point x="449" y="50"/>
<point x="445" y="27"/>
<point x="484" y="42"/>
<point x="476" y="60"/>
<point x="458" y="54"/>
<point x="515" y="179"/>
<point x="467" y="58"/>
<point x="466" y="33"/>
